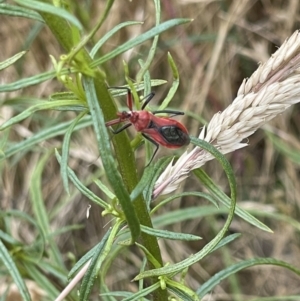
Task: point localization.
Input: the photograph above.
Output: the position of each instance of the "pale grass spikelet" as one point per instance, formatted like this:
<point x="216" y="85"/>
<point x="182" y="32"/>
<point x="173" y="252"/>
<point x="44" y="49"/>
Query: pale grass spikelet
<point x="271" y="89"/>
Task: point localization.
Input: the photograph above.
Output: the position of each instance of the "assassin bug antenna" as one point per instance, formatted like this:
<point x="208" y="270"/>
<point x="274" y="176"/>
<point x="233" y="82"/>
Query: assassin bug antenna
<point x="164" y="131"/>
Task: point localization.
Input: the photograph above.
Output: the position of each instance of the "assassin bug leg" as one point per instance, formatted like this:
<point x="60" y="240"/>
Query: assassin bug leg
<point x="119" y="130"/>
<point x="174" y="113"/>
<point x="164" y="131"/>
<point x="156" y="148"/>
<point x="147" y="100"/>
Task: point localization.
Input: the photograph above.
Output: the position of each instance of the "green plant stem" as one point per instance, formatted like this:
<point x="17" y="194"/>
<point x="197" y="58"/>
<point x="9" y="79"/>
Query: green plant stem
<point x="124" y="154"/>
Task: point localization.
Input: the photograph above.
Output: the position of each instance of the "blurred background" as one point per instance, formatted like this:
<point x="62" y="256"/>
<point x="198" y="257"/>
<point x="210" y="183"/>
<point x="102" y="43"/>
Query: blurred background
<point x="221" y="46"/>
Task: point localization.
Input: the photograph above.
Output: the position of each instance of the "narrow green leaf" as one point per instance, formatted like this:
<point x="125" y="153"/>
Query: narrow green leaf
<point x="12" y="59"/>
<point x="147" y="80"/>
<point x="226" y="241"/>
<point x="179" y="195"/>
<point x="138" y="87"/>
<point x="139" y="39"/>
<point x="146" y="65"/>
<point x="38" y="206"/>
<point x="9" y="239"/>
<point x="65" y="152"/>
<point x="99" y="256"/>
<point x="169" y="235"/>
<point x="84" y="190"/>
<point x="225" y="200"/>
<point x="143" y="266"/>
<point x="88" y="37"/>
<point x="63" y="96"/>
<point x="39" y="277"/>
<point x="90" y="275"/>
<point x="110" y="34"/>
<point x="52" y="270"/>
<point x="149" y="257"/>
<point x="175" y="84"/>
<point x="157" y="169"/>
<point x="142" y="293"/>
<point x="91" y="253"/>
<point x="43" y="135"/>
<point x="217" y="278"/>
<point x="144" y="181"/>
<point x="50" y="9"/>
<point x="38" y="107"/>
<point x="104" y="189"/>
<point x="17" y="11"/>
<point x="184" y="295"/>
<point x="123" y="294"/>
<point x="11" y="267"/>
<point x="184" y="214"/>
<point x="108" y="159"/>
<point x="28" y="81"/>
<point x="74" y="108"/>
<point x="22" y="101"/>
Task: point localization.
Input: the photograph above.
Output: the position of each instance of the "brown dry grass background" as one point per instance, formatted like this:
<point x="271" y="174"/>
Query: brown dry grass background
<point x="214" y="53"/>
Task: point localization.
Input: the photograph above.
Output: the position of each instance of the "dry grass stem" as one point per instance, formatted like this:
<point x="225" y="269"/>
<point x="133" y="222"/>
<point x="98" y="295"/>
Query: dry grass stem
<point x="272" y="88"/>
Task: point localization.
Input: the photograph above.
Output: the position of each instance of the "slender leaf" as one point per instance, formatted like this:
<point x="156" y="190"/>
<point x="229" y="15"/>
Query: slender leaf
<point x="12" y="59"/>
<point x="149" y="257"/>
<point x="217" y="278"/>
<point x="17" y="11"/>
<point x="38" y="276"/>
<point x="65" y="152"/>
<point x="104" y="189"/>
<point x="9" y="239"/>
<point x="146" y="65"/>
<point x="48" y="8"/>
<point x="43" y="135"/>
<point x="142" y="293"/>
<point x="108" y="159"/>
<point x="38" y="107"/>
<point x="87" y="38"/>
<point x="157" y="169"/>
<point x="224" y="199"/>
<point x="38" y="206"/>
<point x="110" y="34"/>
<point x="11" y="267"/>
<point x="169" y="235"/>
<point x="116" y="294"/>
<point x="184" y="295"/>
<point x="91" y="253"/>
<point x="144" y="181"/>
<point x="184" y="214"/>
<point x="99" y="256"/>
<point x="147" y="80"/>
<point x="175" y="84"/>
<point x="29" y="81"/>
<point x="226" y="241"/>
<point x="180" y="195"/>
<point x="83" y="189"/>
<point x="139" y="39"/>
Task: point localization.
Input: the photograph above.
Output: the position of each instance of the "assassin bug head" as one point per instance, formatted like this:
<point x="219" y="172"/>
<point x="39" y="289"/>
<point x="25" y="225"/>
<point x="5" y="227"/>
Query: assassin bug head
<point x="164" y="131"/>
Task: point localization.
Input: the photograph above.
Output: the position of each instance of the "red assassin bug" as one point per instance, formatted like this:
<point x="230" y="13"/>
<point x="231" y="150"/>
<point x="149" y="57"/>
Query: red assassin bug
<point x="159" y="130"/>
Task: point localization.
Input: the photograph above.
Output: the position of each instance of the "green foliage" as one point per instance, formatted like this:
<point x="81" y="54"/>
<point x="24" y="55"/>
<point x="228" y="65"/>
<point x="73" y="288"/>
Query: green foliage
<point x="127" y="188"/>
